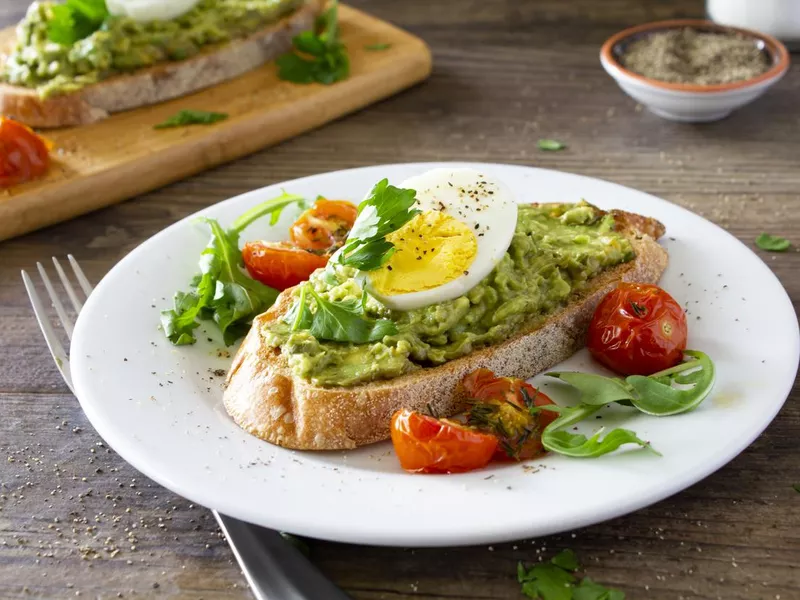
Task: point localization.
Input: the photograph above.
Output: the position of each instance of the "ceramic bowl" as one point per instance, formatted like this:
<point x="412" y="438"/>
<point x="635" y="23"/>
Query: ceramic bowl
<point x="692" y="102"/>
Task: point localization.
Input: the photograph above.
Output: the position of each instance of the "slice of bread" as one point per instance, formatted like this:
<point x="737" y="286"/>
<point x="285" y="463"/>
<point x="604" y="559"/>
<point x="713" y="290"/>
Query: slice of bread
<point x="265" y="399"/>
<point x="160" y="82"/>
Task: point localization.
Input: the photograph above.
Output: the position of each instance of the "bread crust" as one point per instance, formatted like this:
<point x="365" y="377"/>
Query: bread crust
<point x="265" y="399"/>
<point x="158" y="83"/>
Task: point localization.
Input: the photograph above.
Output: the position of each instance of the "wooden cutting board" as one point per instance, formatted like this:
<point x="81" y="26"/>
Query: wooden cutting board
<point x="123" y="156"/>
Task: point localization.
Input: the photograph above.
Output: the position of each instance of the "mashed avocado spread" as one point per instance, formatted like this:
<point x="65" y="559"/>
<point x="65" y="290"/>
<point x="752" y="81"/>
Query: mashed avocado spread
<point x="555" y="250"/>
<point x="122" y="44"/>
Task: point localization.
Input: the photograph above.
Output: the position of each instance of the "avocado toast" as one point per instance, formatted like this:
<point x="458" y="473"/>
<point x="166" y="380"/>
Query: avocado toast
<point x="126" y="64"/>
<point x="272" y="394"/>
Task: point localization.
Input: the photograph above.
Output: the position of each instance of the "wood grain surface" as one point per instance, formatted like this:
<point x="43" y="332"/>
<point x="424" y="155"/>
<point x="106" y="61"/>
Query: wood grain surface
<point x="123" y="156"/>
<point x="75" y="520"/>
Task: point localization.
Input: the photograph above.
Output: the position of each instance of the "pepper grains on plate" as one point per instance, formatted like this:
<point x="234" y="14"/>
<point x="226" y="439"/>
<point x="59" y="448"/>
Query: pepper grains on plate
<point x="690" y="56"/>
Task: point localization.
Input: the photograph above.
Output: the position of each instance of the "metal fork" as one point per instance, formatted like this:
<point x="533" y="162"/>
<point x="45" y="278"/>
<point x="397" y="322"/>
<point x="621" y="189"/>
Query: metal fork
<point x="274" y="568"/>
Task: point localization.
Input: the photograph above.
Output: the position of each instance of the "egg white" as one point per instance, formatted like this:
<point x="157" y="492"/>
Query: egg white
<point x="150" y="10"/>
<point x="485" y="204"/>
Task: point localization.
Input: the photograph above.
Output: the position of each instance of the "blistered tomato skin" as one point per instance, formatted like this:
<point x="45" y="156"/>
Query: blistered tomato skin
<point x="638" y="329"/>
<point x="324" y="226"/>
<point x="280" y="265"/>
<point x="23" y="154"/>
<point x="424" y="444"/>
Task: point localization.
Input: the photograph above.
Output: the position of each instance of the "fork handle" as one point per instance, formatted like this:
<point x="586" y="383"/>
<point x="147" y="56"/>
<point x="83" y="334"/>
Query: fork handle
<point x="274" y="568"/>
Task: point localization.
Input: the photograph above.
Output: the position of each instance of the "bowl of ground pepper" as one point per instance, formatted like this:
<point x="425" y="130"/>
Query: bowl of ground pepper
<point x="693" y="70"/>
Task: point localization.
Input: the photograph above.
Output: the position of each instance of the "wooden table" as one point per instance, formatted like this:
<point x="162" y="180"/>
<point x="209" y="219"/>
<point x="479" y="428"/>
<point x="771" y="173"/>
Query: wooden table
<point x="75" y="520"/>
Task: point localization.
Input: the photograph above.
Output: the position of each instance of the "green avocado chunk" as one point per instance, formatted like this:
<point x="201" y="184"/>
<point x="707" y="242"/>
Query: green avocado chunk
<point x="123" y="45"/>
<point x="555" y="251"/>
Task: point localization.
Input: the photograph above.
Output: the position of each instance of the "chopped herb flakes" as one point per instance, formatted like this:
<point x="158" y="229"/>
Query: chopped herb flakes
<point x="550" y="145"/>
<point x="772" y="243"/>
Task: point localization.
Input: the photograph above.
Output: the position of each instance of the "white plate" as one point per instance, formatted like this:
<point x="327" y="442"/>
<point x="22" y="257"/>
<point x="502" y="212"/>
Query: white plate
<point x="160" y="407"/>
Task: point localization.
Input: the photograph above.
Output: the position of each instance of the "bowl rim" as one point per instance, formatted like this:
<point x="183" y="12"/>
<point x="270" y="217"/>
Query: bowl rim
<point x="774" y="46"/>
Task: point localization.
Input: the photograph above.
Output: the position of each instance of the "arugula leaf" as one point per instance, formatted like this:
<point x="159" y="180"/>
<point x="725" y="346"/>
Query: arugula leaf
<point x="550" y="145"/>
<point x="566" y="559"/>
<point x="75" y="20"/>
<point x="596" y="390"/>
<point x="343" y="321"/>
<point x="385" y="210"/>
<point x="578" y="445"/>
<point x="377" y="47"/>
<point x="772" y="243"/>
<point x="222" y="291"/>
<point x="654" y="395"/>
<point x="322" y="57"/>
<point x="191" y="117"/>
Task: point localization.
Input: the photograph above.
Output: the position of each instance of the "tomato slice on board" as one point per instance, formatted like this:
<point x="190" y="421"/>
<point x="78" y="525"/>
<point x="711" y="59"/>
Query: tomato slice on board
<point x="23" y="154"/>
<point x="502" y="406"/>
<point x="280" y="265"/>
<point x="324" y="226"/>
<point x="425" y="444"/>
<point x="638" y="329"/>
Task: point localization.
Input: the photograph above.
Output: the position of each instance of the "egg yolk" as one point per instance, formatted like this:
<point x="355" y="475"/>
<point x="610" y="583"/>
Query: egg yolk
<point x="431" y="249"/>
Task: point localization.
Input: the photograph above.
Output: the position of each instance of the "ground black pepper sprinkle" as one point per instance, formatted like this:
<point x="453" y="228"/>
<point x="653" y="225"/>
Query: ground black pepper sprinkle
<point x="691" y="56"/>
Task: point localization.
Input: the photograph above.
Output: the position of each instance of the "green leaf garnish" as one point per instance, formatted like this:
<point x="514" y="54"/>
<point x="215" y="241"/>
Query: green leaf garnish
<point x="676" y="390"/>
<point x="317" y="56"/>
<point x="377" y="47"/>
<point x="566" y="559"/>
<point x="772" y="243"/>
<point x="577" y="445"/>
<point x="222" y="292"/>
<point x="75" y="20"/>
<point x="589" y="590"/>
<point x="796" y="487"/>
<point x="384" y="211"/>
<point x="550" y="145"/>
<point x="555" y="581"/>
<point x="192" y="117"/>
<point x="596" y="390"/>
<point x="344" y="321"/>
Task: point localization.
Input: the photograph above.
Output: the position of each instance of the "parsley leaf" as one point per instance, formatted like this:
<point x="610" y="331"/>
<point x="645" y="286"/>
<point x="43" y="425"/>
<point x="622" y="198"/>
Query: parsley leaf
<point x="377" y="47"/>
<point x="191" y="117"/>
<point x="589" y="590"/>
<point x="550" y="145"/>
<point x="222" y="292"/>
<point x="75" y="20"/>
<point x="555" y="581"/>
<point x="772" y="243"/>
<point x="385" y="210"/>
<point x="318" y="56"/>
<point x="343" y="321"/>
<point x="566" y="559"/>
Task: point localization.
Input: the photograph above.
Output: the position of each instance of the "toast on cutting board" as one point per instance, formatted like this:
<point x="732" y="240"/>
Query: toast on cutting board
<point x="163" y="81"/>
<point x="266" y="399"/>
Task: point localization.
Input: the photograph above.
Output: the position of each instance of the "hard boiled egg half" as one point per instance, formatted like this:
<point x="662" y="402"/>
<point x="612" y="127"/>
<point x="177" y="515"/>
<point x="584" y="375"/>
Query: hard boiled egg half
<point x="143" y="11"/>
<point x="466" y="225"/>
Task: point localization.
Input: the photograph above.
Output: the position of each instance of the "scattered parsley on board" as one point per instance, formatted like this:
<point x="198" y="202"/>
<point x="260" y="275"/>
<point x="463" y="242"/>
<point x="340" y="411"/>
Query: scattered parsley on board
<point x="191" y="117"/>
<point x="317" y="56"/>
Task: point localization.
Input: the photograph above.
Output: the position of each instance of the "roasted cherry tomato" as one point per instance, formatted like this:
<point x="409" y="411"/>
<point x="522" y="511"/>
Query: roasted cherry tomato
<point x="638" y="329"/>
<point x="280" y="265"/>
<point x="428" y="445"/>
<point x="23" y="154"/>
<point x="324" y="226"/>
<point x="501" y="406"/>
